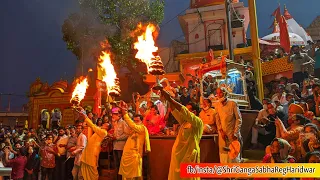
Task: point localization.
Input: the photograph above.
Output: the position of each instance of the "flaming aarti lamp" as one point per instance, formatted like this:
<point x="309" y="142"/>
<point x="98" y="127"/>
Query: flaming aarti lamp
<point x="79" y="93"/>
<point x="115" y="91"/>
<point x="156" y="68"/>
<point x="75" y="102"/>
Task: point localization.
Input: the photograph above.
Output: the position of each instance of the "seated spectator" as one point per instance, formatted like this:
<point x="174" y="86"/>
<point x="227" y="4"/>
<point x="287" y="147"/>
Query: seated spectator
<point x="295" y="90"/>
<point x="290" y="99"/>
<point x="310" y="100"/>
<point x="312" y="157"/>
<point x="279" y="152"/>
<point x="280" y="96"/>
<point x="308" y="114"/>
<point x="306" y="88"/>
<point x="292" y="133"/>
<point x="316" y="121"/>
<point x="293" y="110"/>
<point x="310" y="138"/>
<point x="259" y="127"/>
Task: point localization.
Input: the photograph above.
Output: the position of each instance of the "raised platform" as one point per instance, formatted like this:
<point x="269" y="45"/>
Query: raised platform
<point x="160" y="156"/>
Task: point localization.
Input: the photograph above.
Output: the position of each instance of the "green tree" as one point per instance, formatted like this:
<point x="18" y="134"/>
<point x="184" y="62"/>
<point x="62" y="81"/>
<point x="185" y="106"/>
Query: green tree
<point x="113" y="20"/>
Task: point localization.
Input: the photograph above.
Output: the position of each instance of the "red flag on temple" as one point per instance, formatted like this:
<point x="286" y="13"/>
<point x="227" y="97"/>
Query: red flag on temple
<point x="284" y="35"/>
<point x="277" y="14"/>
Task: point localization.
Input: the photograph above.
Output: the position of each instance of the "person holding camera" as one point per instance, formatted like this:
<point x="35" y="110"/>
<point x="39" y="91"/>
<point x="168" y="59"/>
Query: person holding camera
<point x="300" y="61"/>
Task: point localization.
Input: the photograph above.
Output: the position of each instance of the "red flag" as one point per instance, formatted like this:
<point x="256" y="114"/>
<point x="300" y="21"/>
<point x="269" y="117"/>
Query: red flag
<point x="97" y="99"/>
<point x="271" y="26"/>
<point x="284" y="35"/>
<point x="277" y="14"/>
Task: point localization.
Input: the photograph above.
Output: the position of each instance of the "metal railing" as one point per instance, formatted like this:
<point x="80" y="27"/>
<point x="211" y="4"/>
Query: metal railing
<point x="5" y="171"/>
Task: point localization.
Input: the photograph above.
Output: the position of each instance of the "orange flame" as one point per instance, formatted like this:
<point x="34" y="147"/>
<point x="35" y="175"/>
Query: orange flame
<point x="80" y="89"/>
<point x="146" y="45"/>
<point x="110" y="75"/>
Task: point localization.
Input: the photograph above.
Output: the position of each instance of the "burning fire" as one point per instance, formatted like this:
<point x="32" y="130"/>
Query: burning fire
<point x="146" y="45"/>
<point x="80" y="90"/>
<point x="110" y="75"/>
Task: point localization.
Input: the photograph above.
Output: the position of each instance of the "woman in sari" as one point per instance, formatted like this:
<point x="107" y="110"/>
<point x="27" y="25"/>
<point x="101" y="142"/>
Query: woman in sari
<point x="279" y="153"/>
<point x="153" y="120"/>
<point x="309" y="139"/>
<point x="280" y="149"/>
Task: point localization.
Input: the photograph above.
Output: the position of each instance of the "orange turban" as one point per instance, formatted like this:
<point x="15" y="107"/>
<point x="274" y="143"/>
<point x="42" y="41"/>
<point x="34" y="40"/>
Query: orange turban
<point x="296" y="109"/>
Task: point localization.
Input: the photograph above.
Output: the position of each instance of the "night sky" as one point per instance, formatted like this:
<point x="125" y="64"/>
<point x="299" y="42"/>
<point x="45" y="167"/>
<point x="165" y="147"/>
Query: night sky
<point x="31" y="42"/>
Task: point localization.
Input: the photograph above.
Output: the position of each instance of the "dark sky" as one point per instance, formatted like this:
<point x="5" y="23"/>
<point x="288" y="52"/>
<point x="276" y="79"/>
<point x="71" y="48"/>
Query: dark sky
<point x="31" y="42"/>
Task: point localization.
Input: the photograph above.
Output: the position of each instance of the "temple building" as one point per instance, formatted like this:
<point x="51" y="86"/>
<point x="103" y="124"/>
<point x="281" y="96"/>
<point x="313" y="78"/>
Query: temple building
<point x="205" y="27"/>
<point x="314" y="29"/>
<point x="294" y="27"/>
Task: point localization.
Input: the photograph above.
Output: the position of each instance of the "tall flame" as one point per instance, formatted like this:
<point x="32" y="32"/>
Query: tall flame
<point x="110" y="74"/>
<point x="80" y="89"/>
<point x="146" y="45"/>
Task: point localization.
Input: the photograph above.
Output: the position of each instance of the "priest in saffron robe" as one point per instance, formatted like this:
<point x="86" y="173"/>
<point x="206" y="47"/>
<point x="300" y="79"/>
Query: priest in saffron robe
<point x="186" y="147"/>
<point x="90" y="155"/>
<point x="137" y="143"/>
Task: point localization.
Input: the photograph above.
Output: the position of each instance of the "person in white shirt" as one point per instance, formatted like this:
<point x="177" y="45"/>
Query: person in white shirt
<point x="280" y="95"/>
<point x="258" y="128"/>
<point x="229" y="123"/>
<point x="81" y="144"/>
<point x="61" y="142"/>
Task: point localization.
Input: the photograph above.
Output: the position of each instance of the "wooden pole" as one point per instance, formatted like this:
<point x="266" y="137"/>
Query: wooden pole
<point x="229" y="28"/>
<point x="255" y="47"/>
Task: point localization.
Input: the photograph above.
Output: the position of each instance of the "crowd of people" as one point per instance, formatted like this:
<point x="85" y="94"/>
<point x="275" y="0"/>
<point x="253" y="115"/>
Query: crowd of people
<point x="287" y="128"/>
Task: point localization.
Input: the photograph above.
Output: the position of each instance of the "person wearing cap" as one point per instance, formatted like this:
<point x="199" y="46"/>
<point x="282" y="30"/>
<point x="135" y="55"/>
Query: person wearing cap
<point x="120" y="135"/>
<point x="207" y="115"/>
<point x="300" y="61"/>
<point x="229" y="121"/>
<point x="90" y="155"/>
<point x="186" y="147"/>
<point x="292" y="110"/>
<point x="136" y="145"/>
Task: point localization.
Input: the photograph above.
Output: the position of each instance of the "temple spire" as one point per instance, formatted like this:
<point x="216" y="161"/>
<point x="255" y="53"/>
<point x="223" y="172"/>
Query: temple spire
<point x="286" y="13"/>
<point x="275" y="26"/>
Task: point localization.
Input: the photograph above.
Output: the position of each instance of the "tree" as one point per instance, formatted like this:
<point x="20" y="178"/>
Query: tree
<point x="113" y="20"/>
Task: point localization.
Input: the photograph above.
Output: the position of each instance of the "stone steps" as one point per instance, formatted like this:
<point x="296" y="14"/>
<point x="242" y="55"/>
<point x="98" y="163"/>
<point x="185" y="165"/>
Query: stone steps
<point x="253" y="155"/>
